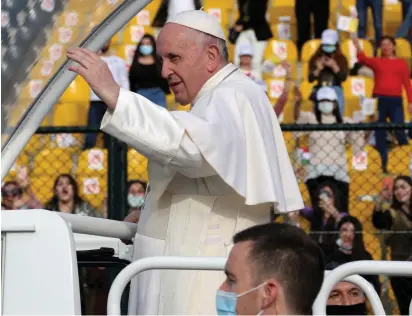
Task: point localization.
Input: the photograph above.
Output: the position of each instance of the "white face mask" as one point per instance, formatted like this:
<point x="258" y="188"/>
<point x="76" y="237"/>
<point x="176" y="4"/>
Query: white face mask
<point x="326" y="107"/>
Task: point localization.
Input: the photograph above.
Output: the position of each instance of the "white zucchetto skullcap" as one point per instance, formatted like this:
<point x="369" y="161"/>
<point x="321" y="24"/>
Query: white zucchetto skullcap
<point x="199" y="20"/>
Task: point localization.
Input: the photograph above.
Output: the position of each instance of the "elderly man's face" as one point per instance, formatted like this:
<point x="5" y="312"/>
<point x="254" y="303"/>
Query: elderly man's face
<point x="184" y="61"/>
<point x="345" y="293"/>
<point x="239" y="279"/>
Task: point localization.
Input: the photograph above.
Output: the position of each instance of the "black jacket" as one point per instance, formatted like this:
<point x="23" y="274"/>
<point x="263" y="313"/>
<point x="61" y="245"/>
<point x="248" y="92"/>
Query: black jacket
<point x="253" y="16"/>
<point x="162" y="13"/>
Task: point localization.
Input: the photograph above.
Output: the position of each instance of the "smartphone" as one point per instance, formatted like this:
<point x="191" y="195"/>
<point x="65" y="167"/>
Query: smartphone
<point x="324" y="195"/>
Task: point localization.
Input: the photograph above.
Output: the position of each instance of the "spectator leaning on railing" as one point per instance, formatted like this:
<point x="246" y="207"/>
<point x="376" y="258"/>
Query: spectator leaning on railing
<point x="391" y="73"/>
<point x="398" y="219"/>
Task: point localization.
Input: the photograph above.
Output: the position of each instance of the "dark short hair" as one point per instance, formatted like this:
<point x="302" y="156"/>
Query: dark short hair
<point x="287" y="253"/>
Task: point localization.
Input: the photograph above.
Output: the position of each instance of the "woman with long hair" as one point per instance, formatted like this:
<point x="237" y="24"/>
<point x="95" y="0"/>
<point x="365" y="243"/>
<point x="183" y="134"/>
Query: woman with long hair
<point x="66" y="197"/>
<point x="350" y="246"/>
<point x="145" y="72"/>
<point x="391" y="74"/>
<point x="135" y="199"/>
<point x="327" y="149"/>
<point x="398" y="219"/>
<point x="328" y="66"/>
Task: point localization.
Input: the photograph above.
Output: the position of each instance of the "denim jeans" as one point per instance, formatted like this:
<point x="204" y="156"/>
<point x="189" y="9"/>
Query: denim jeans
<point x="96" y="113"/>
<point x="389" y="107"/>
<point x="156" y="95"/>
<point x="377" y="8"/>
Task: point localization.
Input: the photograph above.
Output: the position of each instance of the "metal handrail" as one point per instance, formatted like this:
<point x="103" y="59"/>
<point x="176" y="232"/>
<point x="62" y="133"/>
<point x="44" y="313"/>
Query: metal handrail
<point x="364" y="267"/>
<point x="217" y="264"/>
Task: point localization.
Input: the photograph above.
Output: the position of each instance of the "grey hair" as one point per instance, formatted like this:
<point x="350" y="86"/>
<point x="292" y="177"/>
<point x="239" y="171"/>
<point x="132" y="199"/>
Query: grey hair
<point x="207" y="39"/>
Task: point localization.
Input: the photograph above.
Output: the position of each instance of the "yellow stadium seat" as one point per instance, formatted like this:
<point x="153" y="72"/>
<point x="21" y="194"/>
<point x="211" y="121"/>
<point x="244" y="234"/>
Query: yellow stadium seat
<point x="284" y="30"/>
<point x="399" y="159"/>
<point x="282" y="50"/>
<point x="374" y="162"/>
<point x="404" y="50"/>
<point x="132" y="34"/>
<point x="52" y="162"/>
<point x="221" y="14"/>
<point x="136" y="166"/>
<point x="227" y="4"/>
<point x="92" y="162"/>
<point x="308" y="49"/>
<point x="77" y="92"/>
<point x="82" y="6"/>
<point x="306" y="89"/>
<point x="281" y="9"/>
<point x="126" y="52"/>
<point x="275" y="89"/>
<point x="42" y="187"/>
<point x="353" y="88"/>
<point x="93" y="189"/>
<point x="349" y="50"/>
<point x="392" y="17"/>
<point x="70" y="114"/>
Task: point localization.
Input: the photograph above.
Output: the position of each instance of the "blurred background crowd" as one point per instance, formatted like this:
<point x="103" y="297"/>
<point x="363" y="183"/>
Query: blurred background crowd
<point x="330" y="68"/>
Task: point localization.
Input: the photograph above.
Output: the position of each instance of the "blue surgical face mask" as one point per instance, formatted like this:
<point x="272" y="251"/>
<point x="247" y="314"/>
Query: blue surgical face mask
<point x="146" y="49"/>
<point x="226" y="302"/>
<point x="135" y="201"/>
<point x="328" y="48"/>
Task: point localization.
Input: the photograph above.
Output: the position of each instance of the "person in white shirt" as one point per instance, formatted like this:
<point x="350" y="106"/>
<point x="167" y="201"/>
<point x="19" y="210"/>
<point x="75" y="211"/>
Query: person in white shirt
<point x="245" y="53"/>
<point x="213" y="171"/>
<point x="97" y="107"/>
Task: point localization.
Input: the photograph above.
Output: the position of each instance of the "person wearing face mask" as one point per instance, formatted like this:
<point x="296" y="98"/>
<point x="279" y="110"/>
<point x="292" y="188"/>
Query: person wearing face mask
<point x="328" y="66"/>
<point x="350" y="247"/>
<point x="398" y="219"/>
<point x="391" y="75"/>
<point x="327" y="148"/>
<point x="135" y="199"/>
<point x="345" y="298"/>
<point x="145" y="73"/>
<point x="97" y="107"/>
<point x="272" y="269"/>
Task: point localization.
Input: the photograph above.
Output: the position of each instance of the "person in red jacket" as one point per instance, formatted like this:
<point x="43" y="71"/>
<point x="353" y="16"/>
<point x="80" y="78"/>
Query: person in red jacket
<point x="391" y="74"/>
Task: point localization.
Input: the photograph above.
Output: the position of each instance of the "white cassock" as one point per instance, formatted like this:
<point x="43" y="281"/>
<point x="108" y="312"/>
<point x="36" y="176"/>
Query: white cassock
<point x="213" y="171"/>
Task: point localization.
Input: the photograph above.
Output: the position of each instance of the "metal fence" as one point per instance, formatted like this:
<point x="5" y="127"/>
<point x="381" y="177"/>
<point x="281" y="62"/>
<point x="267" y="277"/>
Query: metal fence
<point x="339" y="151"/>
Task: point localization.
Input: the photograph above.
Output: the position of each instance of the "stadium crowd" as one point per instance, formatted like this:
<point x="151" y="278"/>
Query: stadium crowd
<point x="320" y="87"/>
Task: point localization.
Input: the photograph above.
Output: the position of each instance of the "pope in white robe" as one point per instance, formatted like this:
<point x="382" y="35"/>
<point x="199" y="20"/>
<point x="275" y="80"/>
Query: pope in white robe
<point x="213" y="171"/>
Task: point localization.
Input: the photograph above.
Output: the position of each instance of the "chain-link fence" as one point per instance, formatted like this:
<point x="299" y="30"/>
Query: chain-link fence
<point x="338" y="167"/>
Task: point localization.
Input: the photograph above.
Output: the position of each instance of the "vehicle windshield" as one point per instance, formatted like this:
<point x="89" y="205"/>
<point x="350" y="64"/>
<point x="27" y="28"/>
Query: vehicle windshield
<point x="34" y="37"/>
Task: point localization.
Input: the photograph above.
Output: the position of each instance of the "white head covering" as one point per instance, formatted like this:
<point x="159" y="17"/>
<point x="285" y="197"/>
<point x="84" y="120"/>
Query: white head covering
<point x="199" y="20"/>
<point x="326" y="93"/>
<point x="245" y="49"/>
<point x="329" y="37"/>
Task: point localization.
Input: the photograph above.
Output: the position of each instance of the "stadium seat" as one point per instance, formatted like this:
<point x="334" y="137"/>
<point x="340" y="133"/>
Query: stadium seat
<point x="349" y="50"/>
<point x="404" y="50"/>
<point x="392" y="17"/>
<point x="280" y="9"/>
<point x="282" y="50"/>
<point x="126" y="52"/>
<point x="132" y="34"/>
<point x="77" y="92"/>
<point x="92" y="162"/>
<point x="306" y="89"/>
<point x="275" y="89"/>
<point x="93" y="189"/>
<point x="308" y="49"/>
<point x="353" y="88"/>
<point x="227" y="4"/>
<point x="52" y="162"/>
<point x="284" y="30"/>
<point x="399" y="159"/>
<point x="219" y="12"/>
<point x="82" y="6"/>
<point x="42" y="187"/>
<point x="136" y="166"/>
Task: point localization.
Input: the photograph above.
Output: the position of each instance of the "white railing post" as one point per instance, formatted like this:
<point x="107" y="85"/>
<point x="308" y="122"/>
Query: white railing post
<point x="399" y="268"/>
